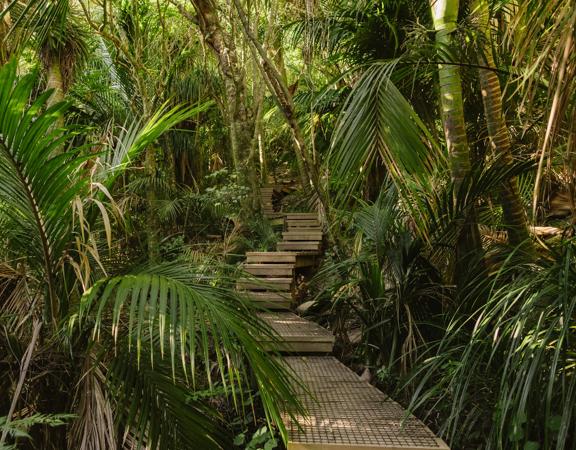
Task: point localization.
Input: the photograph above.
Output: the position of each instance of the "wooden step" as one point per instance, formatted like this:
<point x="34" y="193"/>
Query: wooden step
<point x="297" y="335"/>
<point x="302" y="216"/>
<point x="302" y="235"/>
<point x="264" y="284"/>
<point x="270" y="300"/>
<point x="346" y="413"/>
<point x="302" y="223"/>
<point x="304" y="229"/>
<point x="270" y="257"/>
<point x="270" y="270"/>
<point x="298" y="246"/>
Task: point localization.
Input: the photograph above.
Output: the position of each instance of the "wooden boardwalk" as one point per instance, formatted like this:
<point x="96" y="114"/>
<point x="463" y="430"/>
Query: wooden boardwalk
<point x="298" y="335"/>
<point x="344" y="412"/>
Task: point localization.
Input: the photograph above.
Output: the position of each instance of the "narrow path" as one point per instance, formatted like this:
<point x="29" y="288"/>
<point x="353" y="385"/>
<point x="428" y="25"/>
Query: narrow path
<point x="344" y="412"/>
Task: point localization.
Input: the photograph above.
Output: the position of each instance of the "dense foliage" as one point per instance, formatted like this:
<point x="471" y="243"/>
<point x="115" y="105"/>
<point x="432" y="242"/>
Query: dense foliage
<point x="436" y="139"/>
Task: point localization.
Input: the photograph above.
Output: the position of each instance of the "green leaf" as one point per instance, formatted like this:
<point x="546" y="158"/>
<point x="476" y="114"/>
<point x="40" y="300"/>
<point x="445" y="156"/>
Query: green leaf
<point x="271" y="444"/>
<point x="554" y="423"/>
<point x="196" y="321"/>
<point x="240" y="439"/>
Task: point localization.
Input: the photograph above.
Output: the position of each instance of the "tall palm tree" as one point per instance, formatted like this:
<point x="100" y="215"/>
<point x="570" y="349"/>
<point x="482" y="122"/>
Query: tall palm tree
<point x="445" y="17"/>
<point x="57" y="35"/>
<point x="121" y="351"/>
<point x="514" y="214"/>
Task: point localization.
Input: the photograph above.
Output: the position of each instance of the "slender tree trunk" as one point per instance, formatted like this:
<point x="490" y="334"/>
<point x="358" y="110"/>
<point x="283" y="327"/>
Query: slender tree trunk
<point x="5" y="25"/>
<point x="469" y="246"/>
<point x="239" y="117"/>
<point x="36" y="328"/>
<point x="514" y="214"/>
<point x="278" y="88"/>
<point x="152" y="225"/>
<point x="54" y="80"/>
<point x="445" y="15"/>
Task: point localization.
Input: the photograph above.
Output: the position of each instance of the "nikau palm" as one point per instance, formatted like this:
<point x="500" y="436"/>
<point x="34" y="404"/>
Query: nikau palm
<point x="445" y="17"/>
<point x="514" y="214"/>
<point x="123" y="342"/>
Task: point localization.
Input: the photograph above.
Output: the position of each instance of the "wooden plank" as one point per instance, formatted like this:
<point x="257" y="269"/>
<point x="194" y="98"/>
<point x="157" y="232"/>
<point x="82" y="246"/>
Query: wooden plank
<point x="302" y="235"/>
<point x="270" y="300"/>
<point x="346" y="413"/>
<point x="264" y="284"/>
<point x="304" y="228"/>
<point x="302" y="223"/>
<point x="299" y="259"/>
<point x="300" y="216"/>
<point x="299" y="246"/>
<point x="270" y="270"/>
<point x="297" y="335"/>
<point x="270" y="257"/>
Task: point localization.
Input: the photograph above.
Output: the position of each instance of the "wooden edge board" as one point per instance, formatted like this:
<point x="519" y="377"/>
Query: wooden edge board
<point x="299" y="346"/>
<point x="311" y="446"/>
<point x="269" y="253"/>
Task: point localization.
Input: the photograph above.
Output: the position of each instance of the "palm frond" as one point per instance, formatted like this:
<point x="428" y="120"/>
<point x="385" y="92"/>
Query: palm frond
<point x="135" y="137"/>
<point x="37" y="187"/>
<point x="191" y="319"/>
<point x="94" y="427"/>
<point x="378" y="122"/>
<point x="160" y="412"/>
<point x="516" y="352"/>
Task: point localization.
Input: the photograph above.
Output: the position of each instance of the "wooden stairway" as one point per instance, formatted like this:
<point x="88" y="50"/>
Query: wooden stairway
<point x="344" y="412"/>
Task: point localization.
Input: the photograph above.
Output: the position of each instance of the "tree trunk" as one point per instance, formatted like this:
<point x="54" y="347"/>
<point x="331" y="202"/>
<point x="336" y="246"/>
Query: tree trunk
<point x="445" y="14"/>
<point x="469" y="246"/>
<point x="278" y="88"/>
<point x="5" y="25"/>
<point x="239" y="117"/>
<point x="514" y="215"/>
<point x="54" y="80"/>
<point x="152" y="225"/>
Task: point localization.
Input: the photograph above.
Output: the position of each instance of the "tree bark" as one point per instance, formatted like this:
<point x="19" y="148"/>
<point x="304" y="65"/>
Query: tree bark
<point x="514" y="214"/>
<point x="469" y="246"/>
<point x="239" y="117"/>
<point x="152" y="226"/>
<point x="55" y="81"/>
<point x="278" y="88"/>
<point x="445" y="15"/>
<point x="5" y="25"/>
